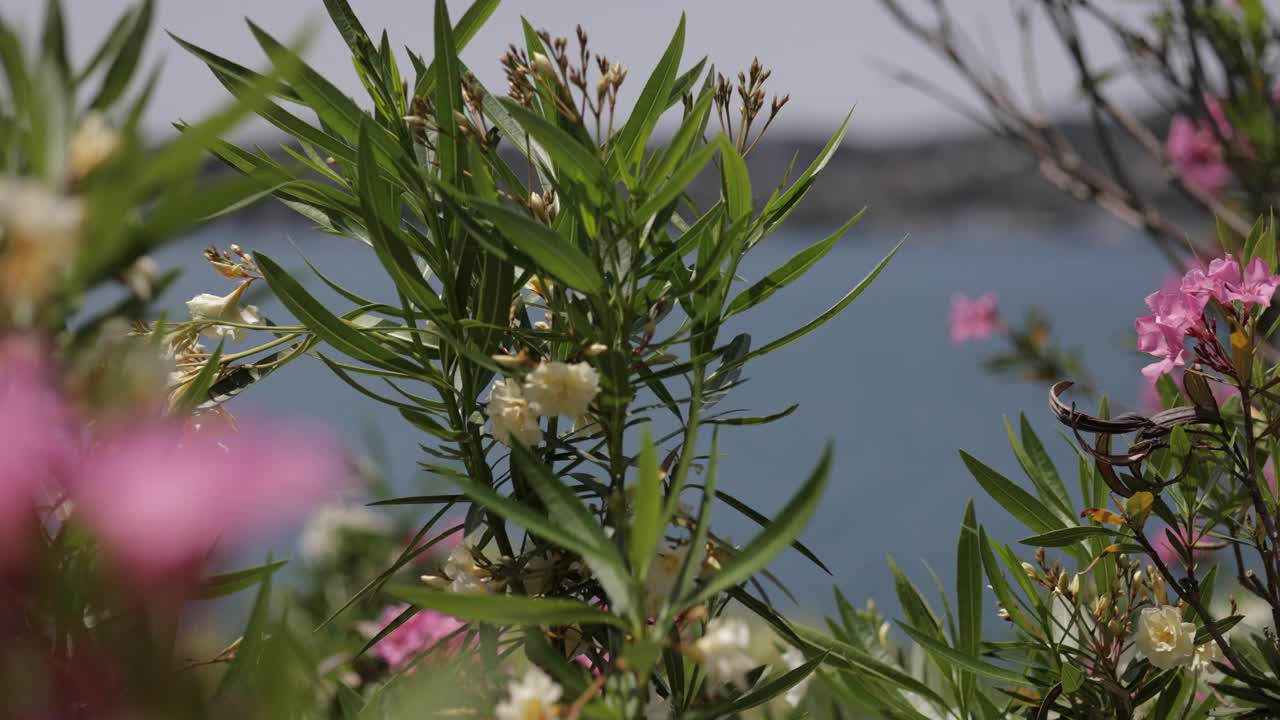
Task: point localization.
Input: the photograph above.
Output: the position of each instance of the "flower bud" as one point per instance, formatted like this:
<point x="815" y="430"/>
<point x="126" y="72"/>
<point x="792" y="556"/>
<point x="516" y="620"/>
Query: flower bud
<point x="542" y="65"/>
<point x="1030" y="570"/>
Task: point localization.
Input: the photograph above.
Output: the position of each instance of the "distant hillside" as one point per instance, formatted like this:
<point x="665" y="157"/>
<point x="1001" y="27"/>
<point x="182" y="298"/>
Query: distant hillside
<point x="916" y="184"/>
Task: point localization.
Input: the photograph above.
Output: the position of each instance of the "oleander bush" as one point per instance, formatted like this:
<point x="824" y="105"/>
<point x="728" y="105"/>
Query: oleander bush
<point x="556" y="281"/>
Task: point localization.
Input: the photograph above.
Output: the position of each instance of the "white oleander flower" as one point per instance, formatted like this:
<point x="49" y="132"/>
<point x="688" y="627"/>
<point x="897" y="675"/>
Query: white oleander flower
<point x="464" y="576"/>
<point x="658" y="707"/>
<point x="557" y="388"/>
<point x="1205" y="656"/>
<point x="724" y="651"/>
<point x="322" y="536"/>
<point x="92" y="145"/>
<point x="215" y="309"/>
<point x="40" y="233"/>
<point x="664" y="570"/>
<point x="1164" y="638"/>
<point x="511" y="414"/>
<point x="793" y="659"/>
<point x="532" y="697"/>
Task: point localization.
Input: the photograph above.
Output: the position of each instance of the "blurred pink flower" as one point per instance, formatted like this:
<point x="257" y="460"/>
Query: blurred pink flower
<point x="1196" y="155"/>
<point x="1169" y="554"/>
<point x="39" y="447"/>
<point x="1258" y="286"/>
<point x="974" y="319"/>
<point x="418" y="634"/>
<point x="160" y="499"/>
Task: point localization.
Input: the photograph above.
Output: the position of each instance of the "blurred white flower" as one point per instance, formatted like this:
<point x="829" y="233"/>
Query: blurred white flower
<point x="1205" y="656"/>
<point x="92" y="145"/>
<point x="326" y="528"/>
<point x="724" y="651"/>
<point x="532" y="697"/>
<point x="216" y="309"/>
<point x="40" y="232"/>
<point x="658" y="707"/>
<point x="557" y="388"/>
<point x="1164" y="638"/>
<point x="464" y="576"/>
<point x="793" y="659"/>
<point x="664" y="569"/>
<point x="511" y="415"/>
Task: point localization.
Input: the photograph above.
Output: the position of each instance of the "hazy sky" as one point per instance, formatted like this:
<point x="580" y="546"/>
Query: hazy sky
<point x="824" y="53"/>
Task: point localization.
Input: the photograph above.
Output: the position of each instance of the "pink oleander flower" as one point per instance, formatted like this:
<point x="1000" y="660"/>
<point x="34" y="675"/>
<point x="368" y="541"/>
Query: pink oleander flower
<point x="161" y="499"/>
<point x="974" y="319"/>
<point x="1196" y="155"/>
<point x="1162" y="341"/>
<point x="1213" y="283"/>
<point x="39" y="448"/>
<point x="1258" y="286"/>
<point x="417" y="635"/>
<point x="1177" y="309"/>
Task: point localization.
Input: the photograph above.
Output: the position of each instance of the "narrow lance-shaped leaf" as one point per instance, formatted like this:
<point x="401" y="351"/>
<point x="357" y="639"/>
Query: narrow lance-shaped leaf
<point x="791" y="520"/>
<point x="648" y="521"/>
<point x="652" y="102"/>
<point x="791" y="270"/>
<point x="498" y="609"/>
<point x="969" y="589"/>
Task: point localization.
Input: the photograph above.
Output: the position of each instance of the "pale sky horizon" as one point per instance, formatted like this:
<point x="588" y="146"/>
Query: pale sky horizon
<point x="827" y="55"/>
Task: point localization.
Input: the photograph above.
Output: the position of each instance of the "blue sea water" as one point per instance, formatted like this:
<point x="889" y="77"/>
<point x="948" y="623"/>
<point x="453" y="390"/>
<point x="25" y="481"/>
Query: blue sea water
<point x="882" y="381"/>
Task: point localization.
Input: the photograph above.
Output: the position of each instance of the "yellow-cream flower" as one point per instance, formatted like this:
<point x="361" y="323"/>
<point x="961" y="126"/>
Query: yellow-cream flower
<point x="511" y="415"/>
<point x="1164" y="638"/>
<point x="557" y="388"/>
<point x="664" y="570"/>
<point x="92" y="145"/>
<point x="215" y="309"/>
<point x="40" y="233"/>
<point x="532" y="697"/>
<point x="1205" y="656"/>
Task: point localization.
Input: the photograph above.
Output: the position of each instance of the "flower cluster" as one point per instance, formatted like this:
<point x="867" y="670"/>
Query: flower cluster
<point x="1179" y="312"/>
<point x="421" y="633"/>
<point x="1194" y="149"/>
<point x="551" y="389"/>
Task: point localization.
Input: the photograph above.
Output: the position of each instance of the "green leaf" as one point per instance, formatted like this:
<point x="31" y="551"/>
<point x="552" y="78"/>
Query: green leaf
<point x="126" y="60"/>
<point x="243" y="666"/>
<point x="737" y="182"/>
<point x="830" y="313"/>
<point x="912" y="601"/>
<point x="602" y="558"/>
<point x="500" y="609"/>
<point x="233" y="582"/>
<point x="348" y="25"/>
<point x="568" y="512"/>
<point x="448" y="97"/>
<point x="963" y="661"/>
<point x="571" y="158"/>
<point x="676" y="184"/>
<point x="760" y="519"/>
<point x="1018" y="502"/>
<point x="197" y="391"/>
<point x="1072" y="678"/>
<point x="466" y="28"/>
<point x="763" y="548"/>
<point x="329" y="327"/>
<point x="653" y="101"/>
<point x="791" y="270"/>
<point x="969" y="589"/>
<point x="648" y="521"/>
<point x="551" y="252"/>
<point x="1067" y="536"/>
<point x="759" y="695"/>
<point x="781" y="206"/>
